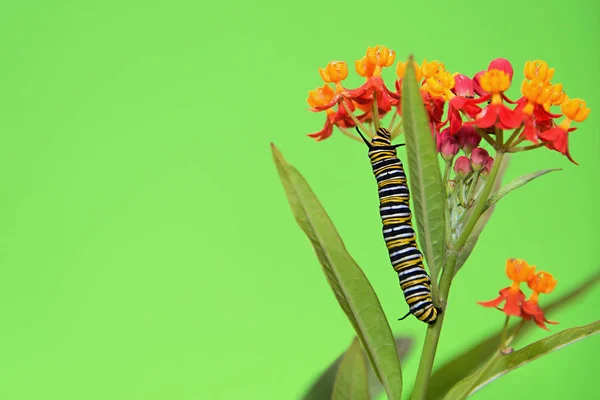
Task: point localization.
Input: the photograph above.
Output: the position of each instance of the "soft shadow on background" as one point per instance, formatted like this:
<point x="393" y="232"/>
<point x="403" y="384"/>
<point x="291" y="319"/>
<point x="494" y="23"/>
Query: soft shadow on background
<point x="147" y="249"/>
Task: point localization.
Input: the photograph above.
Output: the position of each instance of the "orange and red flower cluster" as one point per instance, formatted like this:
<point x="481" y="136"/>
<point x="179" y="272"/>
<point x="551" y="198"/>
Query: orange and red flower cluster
<point x="479" y="102"/>
<point x="515" y="304"/>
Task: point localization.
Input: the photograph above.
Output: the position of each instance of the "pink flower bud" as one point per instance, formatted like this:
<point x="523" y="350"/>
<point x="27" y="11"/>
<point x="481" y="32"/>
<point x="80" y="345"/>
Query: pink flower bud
<point x="479" y="157"/>
<point x="463" y="86"/>
<point x="467" y="138"/>
<point x="488" y="166"/>
<point x="440" y="137"/>
<point x="503" y="65"/>
<point x="462" y="167"/>
<point x="446" y="145"/>
<point x="476" y="85"/>
<point x="449" y="148"/>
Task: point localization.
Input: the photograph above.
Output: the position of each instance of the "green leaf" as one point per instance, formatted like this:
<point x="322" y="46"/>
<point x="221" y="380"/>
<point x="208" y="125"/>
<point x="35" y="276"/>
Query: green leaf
<point x="469" y="360"/>
<point x="517" y="183"/>
<point x="351" y="380"/>
<point x="352" y="290"/>
<point x="425" y="177"/>
<point x="514" y="360"/>
<point x="322" y="388"/>
<point x="467" y="249"/>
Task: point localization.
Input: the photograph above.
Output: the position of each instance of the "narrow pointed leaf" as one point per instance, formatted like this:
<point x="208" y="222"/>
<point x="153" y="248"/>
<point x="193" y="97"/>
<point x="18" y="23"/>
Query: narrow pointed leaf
<point x="472" y="358"/>
<point x="425" y="178"/>
<point x="512" y="361"/>
<point x="517" y="183"/>
<point x="469" y="246"/>
<point x="352" y="290"/>
<point x="322" y="388"/>
<point x="351" y="381"/>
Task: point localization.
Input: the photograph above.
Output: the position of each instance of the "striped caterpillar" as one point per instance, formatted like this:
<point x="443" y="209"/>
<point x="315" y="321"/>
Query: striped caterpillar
<point x="398" y="232"/>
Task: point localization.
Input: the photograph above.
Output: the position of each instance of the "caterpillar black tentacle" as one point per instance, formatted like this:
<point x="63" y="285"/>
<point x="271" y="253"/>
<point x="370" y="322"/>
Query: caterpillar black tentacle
<point x="398" y="232"/>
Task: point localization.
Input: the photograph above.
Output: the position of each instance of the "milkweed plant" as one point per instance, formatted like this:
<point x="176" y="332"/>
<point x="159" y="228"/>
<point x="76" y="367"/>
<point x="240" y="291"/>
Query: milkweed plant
<point x="443" y="118"/>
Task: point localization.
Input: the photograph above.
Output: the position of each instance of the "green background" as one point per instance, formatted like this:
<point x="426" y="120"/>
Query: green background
<point x="147" y="249"/>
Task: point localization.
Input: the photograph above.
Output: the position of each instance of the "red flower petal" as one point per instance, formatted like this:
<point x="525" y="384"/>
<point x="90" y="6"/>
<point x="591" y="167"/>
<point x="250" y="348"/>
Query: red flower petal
<point x="323" y="133"/>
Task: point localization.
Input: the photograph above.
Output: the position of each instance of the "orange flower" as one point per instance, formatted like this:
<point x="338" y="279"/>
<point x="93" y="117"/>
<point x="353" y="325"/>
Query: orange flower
<point x="542" y="282"/>
<point x="538" y="69"/>
<point x="374" y="88"/>
<point x="518" y="271"/>
<point x="319" y="98"/>
<point x="429" y="69"/>
<point x="557" y="137"/>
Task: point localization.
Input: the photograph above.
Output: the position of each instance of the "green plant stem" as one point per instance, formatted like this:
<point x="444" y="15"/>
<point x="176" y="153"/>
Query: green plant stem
<point x="433" y="331"/>
<point x="350" y="135"/>
<point x="472" y="186"/>
<point x="357" y="122"/>
<point x="375" y="108"/>
<point x="512" y="137"/>
<point x="391" y="124"/>
<point x="447" y="169"/>
<point x="502" y="344"/>
<point x="525" y="148"/>
<point x="486" y="136"/>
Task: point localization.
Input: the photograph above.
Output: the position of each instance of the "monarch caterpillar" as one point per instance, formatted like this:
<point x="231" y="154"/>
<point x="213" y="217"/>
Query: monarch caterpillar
<point x="397" y="229"/>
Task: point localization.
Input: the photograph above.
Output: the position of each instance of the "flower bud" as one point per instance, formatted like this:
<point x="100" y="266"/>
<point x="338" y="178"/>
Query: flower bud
<point x="477" y="86"/>
<point x="463" y="86"/>
<point x="485" y="172"/>
<point x="462" y="167"/>
<point x="518" y="270"/>
<point x="479" y="158"/>
<point x="448" y="148"/>
<point x="467" y="138"/>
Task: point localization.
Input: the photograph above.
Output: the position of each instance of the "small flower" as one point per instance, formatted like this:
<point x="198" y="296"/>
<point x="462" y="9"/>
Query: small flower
<point x="463" y="86"/>
<point x="479" y="157"/>
<point x="468" y="138"/>
<point x="518" y="271"/>
<point x="429" y="69"/>
<point x="322" y="96"/>
<point x="370" y="67"/>
<point x="334" y="72"/>
<point x="364" y="68"/>
<point x="536" y="91"/>
<point x="439" y="85"/>
<point x="485" y="172"/>
<point x="556" y="98"/>
<point x="476" y="86"/>
<point x="542" y="282"/>
<point x="557" y="138"/>
<point x="447" y="145"/>
<point x="380" y="56"/>
<point x="530" y="107"/>
<point x="538" y="69"/>
<point x="462" y="167"/>
<point x="495" y="82"/>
